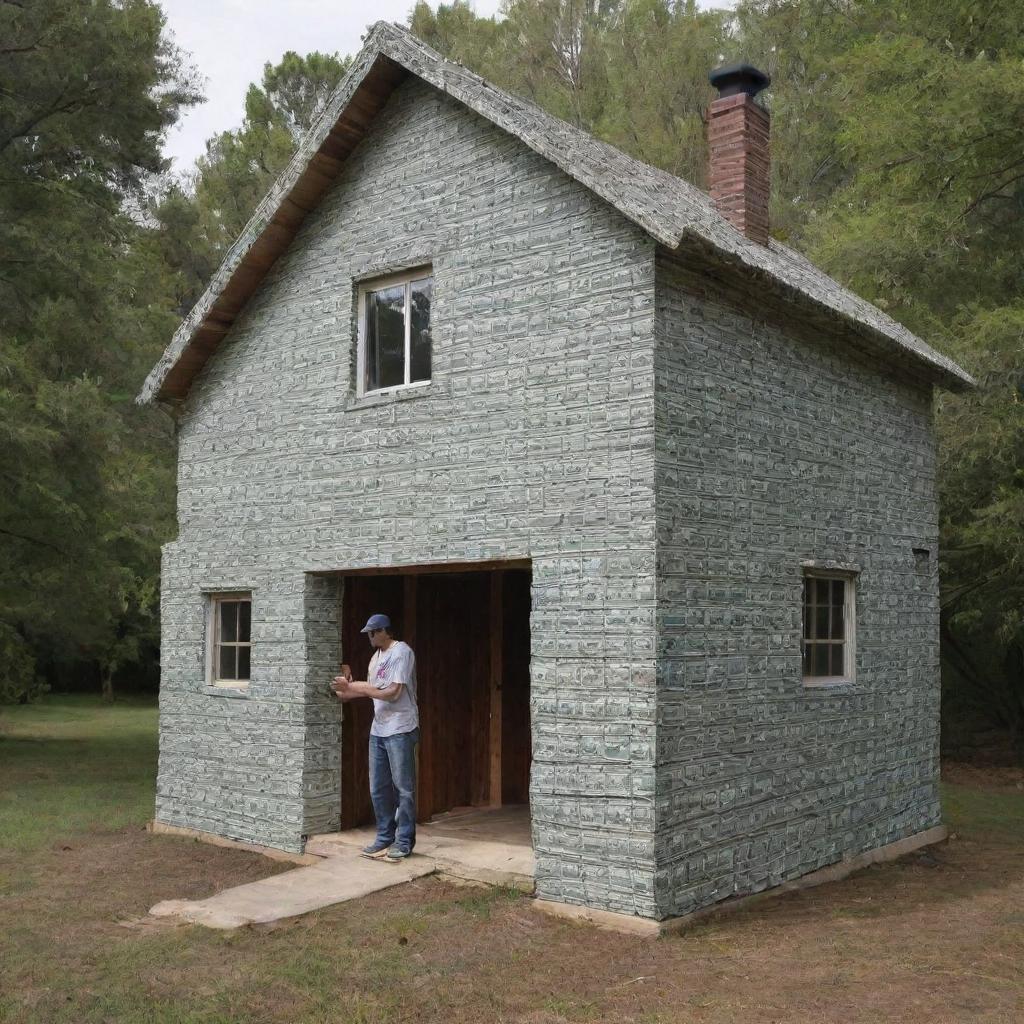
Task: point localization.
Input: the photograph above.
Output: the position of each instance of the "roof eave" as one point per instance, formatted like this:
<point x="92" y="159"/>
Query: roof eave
<point x="276" y="221"/>
<point x="896" y="343"/>
<point x="388" y="55"/>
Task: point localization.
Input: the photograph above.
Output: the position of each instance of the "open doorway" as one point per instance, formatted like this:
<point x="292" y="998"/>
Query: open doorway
<point x="469" y="626"/>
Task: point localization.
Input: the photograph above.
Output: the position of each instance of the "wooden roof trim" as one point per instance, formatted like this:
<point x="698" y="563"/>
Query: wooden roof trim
<point x="667" y="208"/>
<point x="271" y="230"/>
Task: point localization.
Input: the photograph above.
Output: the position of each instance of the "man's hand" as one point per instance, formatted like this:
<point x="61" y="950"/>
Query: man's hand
<point x="343" y="688"/>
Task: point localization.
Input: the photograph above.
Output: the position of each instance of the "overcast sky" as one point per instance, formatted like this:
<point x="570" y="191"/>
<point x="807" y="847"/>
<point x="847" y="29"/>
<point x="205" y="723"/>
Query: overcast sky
<point x="230" y="41"/>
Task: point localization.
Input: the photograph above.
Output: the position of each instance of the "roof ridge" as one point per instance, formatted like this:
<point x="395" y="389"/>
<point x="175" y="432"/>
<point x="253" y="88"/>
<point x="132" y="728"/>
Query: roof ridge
<point x="667" y="207"/>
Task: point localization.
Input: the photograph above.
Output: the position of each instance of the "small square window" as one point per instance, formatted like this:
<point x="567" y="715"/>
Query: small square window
<point x="828" y="621"/>
<point x="229" y="639"/>
<point x="394" y="331"/>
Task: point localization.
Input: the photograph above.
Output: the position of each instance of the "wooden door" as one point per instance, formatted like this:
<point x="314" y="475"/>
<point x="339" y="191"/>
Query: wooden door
<point x="516" y="737"/>
<point x="362" y="596"/>
<point x="454" y="655"/>
<point x="447" y="619"/>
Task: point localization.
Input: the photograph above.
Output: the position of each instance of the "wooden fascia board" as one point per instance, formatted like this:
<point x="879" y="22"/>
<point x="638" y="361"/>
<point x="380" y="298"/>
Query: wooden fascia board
<point x="320" y="172"/>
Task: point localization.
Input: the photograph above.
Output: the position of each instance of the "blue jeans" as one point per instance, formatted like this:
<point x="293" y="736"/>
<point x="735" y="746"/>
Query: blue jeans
<point x="393" y="787"/>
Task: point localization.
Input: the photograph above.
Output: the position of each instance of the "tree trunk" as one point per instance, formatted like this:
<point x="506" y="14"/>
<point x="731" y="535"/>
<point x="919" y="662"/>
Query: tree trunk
<point x="108" y="686"/>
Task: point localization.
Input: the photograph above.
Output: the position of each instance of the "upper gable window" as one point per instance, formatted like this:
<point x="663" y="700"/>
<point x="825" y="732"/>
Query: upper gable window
<point x="394" y="331"/>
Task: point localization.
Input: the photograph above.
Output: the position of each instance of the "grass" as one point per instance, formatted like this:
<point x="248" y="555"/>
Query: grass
<point x="983" y="813"/>
<point x="931" y="938"/>
<point x="72" y="764"/>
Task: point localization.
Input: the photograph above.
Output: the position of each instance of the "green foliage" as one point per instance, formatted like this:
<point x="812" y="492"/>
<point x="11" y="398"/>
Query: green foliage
<point x="240" y="166"/>
<point x="982" y="443"/>
<point x="89" y="296"/>
<point x="934" y="196"/>
<point x="456" y="31"/>
<point x="631" y="72"/>
<point x="902" y="174"/>
<point x="658" y="58"/>
<point x="197" y="225"/>
<point x="898" y="165"/>
<point x="18" y="680"/>
<point x="296" y="90"/>
<point x="87" y="91"/>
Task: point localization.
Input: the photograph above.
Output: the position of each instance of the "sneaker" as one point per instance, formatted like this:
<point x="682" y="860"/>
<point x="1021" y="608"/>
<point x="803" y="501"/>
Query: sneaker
<point x="375" y="851"/>
<point x="396" y="854"/>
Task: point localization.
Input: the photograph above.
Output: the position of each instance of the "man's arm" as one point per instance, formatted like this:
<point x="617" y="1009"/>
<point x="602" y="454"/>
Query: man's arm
<point x="349" y="688"/>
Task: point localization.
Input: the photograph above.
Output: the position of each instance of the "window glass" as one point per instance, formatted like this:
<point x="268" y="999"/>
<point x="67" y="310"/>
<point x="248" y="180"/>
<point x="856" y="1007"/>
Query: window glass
<point x="227" y="663"/>
<point x="396" y="332"/>
<point x="229" y="656"/>
<point x="819" y="660"/>
<point x="385" y="338"/>
<point x="228" y="621"/>
<point x="419" y="329"/>
<point x="825" y="627"/>
<point x="820" y="618"/>
<point x="837" y="660"/>
<point x="837" y="624"/>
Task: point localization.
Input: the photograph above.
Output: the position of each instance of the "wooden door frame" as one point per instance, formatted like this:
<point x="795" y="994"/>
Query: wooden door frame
<point x="495" y="569"/>
<point x="432" y="568"/>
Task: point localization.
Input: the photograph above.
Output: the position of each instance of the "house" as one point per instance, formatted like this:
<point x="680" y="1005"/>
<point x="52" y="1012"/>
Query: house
<point x="652" y="497"/>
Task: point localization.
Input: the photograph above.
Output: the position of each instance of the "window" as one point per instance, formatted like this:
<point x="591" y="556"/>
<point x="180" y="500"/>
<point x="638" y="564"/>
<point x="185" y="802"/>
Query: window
<point x="230" y="644"/>
<point x="828" y="654"/>
<point x="394" y="331"/>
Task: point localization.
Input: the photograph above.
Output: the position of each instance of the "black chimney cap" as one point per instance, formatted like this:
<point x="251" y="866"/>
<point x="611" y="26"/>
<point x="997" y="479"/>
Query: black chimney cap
<point x="732" y="79"/>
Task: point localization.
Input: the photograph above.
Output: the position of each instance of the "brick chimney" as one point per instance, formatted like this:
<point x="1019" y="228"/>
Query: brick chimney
<point x="738" y="130"/>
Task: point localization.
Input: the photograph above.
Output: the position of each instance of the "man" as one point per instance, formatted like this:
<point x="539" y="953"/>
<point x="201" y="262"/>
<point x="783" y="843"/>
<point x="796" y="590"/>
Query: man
<point x="391" y="684"/>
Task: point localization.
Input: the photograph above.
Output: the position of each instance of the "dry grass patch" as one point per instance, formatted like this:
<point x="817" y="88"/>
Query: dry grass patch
<point x="936" y="937"/>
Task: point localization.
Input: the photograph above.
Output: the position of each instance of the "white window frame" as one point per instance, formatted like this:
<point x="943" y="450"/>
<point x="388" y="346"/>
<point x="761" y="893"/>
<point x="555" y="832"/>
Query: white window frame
<point x="849" y="626"/>
<point x="213" y="603"/>
<point x="406" y="277"/>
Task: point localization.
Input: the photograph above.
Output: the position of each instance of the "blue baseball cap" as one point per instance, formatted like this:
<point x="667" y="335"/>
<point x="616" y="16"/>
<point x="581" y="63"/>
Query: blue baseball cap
<point x="376" y="622"/>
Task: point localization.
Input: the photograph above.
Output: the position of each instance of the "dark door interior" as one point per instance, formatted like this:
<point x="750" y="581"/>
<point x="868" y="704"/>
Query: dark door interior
<point x="471" y="635"/>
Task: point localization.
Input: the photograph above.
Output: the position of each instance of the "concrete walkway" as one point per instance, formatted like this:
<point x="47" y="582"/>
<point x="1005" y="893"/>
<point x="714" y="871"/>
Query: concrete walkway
<point x="482" y="846"/>
<point x="335" y="880"/>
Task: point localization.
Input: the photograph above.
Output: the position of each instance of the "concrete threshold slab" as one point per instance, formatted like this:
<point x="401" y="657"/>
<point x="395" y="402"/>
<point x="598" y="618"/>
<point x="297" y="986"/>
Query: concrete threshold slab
<point x="333" y="880"/>
<point x="465" y="857"/>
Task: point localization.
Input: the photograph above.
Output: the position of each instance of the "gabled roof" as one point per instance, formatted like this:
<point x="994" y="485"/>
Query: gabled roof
<point x="666" y="207"/>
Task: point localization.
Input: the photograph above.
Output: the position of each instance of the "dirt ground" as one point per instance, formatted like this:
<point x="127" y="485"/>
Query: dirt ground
<point x="990" y="778"/>
<point x="936" y="937"/>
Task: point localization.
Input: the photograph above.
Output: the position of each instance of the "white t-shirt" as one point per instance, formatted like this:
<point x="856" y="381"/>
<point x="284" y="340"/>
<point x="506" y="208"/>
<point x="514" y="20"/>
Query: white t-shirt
<point x="395" y="665"/>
